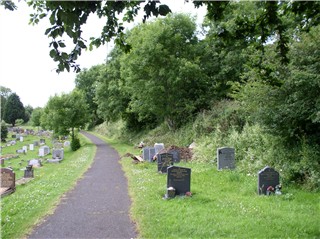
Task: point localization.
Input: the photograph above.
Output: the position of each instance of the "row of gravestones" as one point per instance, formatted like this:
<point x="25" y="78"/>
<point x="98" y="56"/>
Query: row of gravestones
<point x="179" y="178"/>
<point x="7" y="183"/>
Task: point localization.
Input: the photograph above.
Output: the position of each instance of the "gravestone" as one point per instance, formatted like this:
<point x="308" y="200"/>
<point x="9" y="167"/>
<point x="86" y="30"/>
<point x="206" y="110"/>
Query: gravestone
<point x="21" y="138"/>
<point x="148" y="153"/>
<point x="8" y="181"/>
<point x="158" y="147"/>
<point x="35" y="162"/>
<point x="13" y="142"/>
<point x="267" y="177"/>
<point x="164" y="160"/>
<point x="31" y="147"/>
<point x="25" y="149"/>
<point x="28" y="173"/>
<point x="43" y="151"/>
<point x="179" y="178"/>
<point x="57" y="154"/>
<point x="20" y="151"/>
<point x="36" y="143"/>
<point x="176" y="155"/>
<point x="66" y="144"/>
<point x="226" y="158"/>
<point x="42" y="141"/>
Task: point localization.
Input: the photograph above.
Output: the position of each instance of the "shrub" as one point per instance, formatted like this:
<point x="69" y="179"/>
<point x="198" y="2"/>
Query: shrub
<point x="75" y="144"/>
<point x="4" y="132"/>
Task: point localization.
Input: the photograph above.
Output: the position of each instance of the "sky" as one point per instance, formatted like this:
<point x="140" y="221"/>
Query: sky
<point x="25" y="65"/>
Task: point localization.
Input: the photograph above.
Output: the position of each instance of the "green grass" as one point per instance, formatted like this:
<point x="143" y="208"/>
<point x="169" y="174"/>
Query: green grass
<point x="225" y="204"/>
<point x="34" y="200"/>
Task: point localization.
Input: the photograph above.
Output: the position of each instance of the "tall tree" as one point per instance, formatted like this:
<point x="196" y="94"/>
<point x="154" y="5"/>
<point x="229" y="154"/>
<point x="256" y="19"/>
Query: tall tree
<point x="13" y="109"/>
<point x="162" y="72"/>
<point x="86" y="81"/>
<point x="65" y="113"/>
<point x="4" y="94"/>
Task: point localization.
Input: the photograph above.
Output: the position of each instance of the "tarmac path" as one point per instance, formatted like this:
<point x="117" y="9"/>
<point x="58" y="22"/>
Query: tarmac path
<point x="98" y="206"/>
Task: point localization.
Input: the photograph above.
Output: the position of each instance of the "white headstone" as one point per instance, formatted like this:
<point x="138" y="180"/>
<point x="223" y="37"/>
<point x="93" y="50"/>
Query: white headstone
<point x="31" y="147"/>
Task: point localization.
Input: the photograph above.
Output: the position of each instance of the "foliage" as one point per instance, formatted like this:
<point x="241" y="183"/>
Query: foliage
<point x="13" y="109"/>
<point x="67" y="18"/>
<point x="65" y="113"/>
<point x="36" y="116"/>
<point x="4" y="132"/>
<point x="75" y="143"/>
<point x="4" y="94"/>
<point x="86" y="82"/>
<point x="162" y="73"/>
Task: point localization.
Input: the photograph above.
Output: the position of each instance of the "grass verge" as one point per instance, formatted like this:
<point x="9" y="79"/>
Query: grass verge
<point x="224" y="204"/>
<point x="31" y="202"/>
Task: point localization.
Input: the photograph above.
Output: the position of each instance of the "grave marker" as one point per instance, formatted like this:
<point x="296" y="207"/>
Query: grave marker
<point x="179" y="178"/>
<point x="148" y="153"/>
<point x="267" y="177"/>
<point x="28" y="173"/>
<point x="158" y="147"/>
<point x="226" y="158"/>
<point x="176" y="155"/>
<point x="57" y="154"/>
<point x="8" y="181"/>
<point x="164" y="161"/>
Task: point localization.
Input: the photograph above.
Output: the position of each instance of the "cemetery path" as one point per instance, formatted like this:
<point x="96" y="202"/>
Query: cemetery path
<point x="98" y="206"/>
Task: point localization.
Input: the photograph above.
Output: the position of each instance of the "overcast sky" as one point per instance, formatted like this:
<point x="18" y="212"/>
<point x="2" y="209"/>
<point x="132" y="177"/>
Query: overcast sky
<point x="26" y="67"/>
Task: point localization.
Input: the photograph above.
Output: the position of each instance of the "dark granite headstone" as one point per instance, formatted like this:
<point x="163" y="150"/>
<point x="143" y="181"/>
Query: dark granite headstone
<point x="28" y="173"/>
<point x="179" y="178"/>
<point x="176" y="155"/>
<point x="267" y="177"/>
<point x="148" y="153"/>
<point x="164" y="161"/>
<point x="226" y="158"/>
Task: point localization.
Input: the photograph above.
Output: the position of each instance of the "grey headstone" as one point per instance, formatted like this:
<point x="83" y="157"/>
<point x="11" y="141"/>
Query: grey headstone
<point x="57" y="154"/>
<point x="35" y="162"/>
<point x="226" y="158"/>
<point x="158" y="147"/>
<point x="66" y="144"/>
<point x="164" y="160"/>
<point x="267" y="177"/>
<point x="148" y="153"/>
<point x="180" y="179"/>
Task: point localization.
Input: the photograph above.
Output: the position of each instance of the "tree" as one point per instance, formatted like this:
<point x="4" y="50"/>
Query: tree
<point x="36" y="116"/>
<point x="86" y="81"/>
<point x="28" y="113"/>
<point x="4" y="132"/>
<point x="67" y="17"/>
<point x="162" y="73"/>
<point x="13" y="109"/>
<point x="65" y="113"/>
<point x="4" y="94"/>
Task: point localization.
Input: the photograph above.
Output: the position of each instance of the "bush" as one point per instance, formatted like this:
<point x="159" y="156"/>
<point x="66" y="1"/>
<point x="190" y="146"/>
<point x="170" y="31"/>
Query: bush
<point x="4" y="132"/>
<point x="75" y="144"/>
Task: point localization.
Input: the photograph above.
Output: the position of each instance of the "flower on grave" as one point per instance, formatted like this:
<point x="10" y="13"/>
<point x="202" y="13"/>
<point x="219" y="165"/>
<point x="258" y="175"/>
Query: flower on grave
<point x="188" y="194"/>
<point x="270" y="189"/>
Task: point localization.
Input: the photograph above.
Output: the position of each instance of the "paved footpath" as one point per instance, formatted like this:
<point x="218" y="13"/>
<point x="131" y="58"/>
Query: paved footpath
<point x="98" y="206"/>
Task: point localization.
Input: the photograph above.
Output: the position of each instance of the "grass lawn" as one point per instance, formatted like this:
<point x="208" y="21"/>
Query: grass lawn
<point x="225" y="204"/>
<point x="32" y="201"/>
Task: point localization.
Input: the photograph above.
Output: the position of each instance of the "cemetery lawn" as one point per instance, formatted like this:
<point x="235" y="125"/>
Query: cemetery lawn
<point x="32" y="201"/>
<point x="224" y="204"/>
